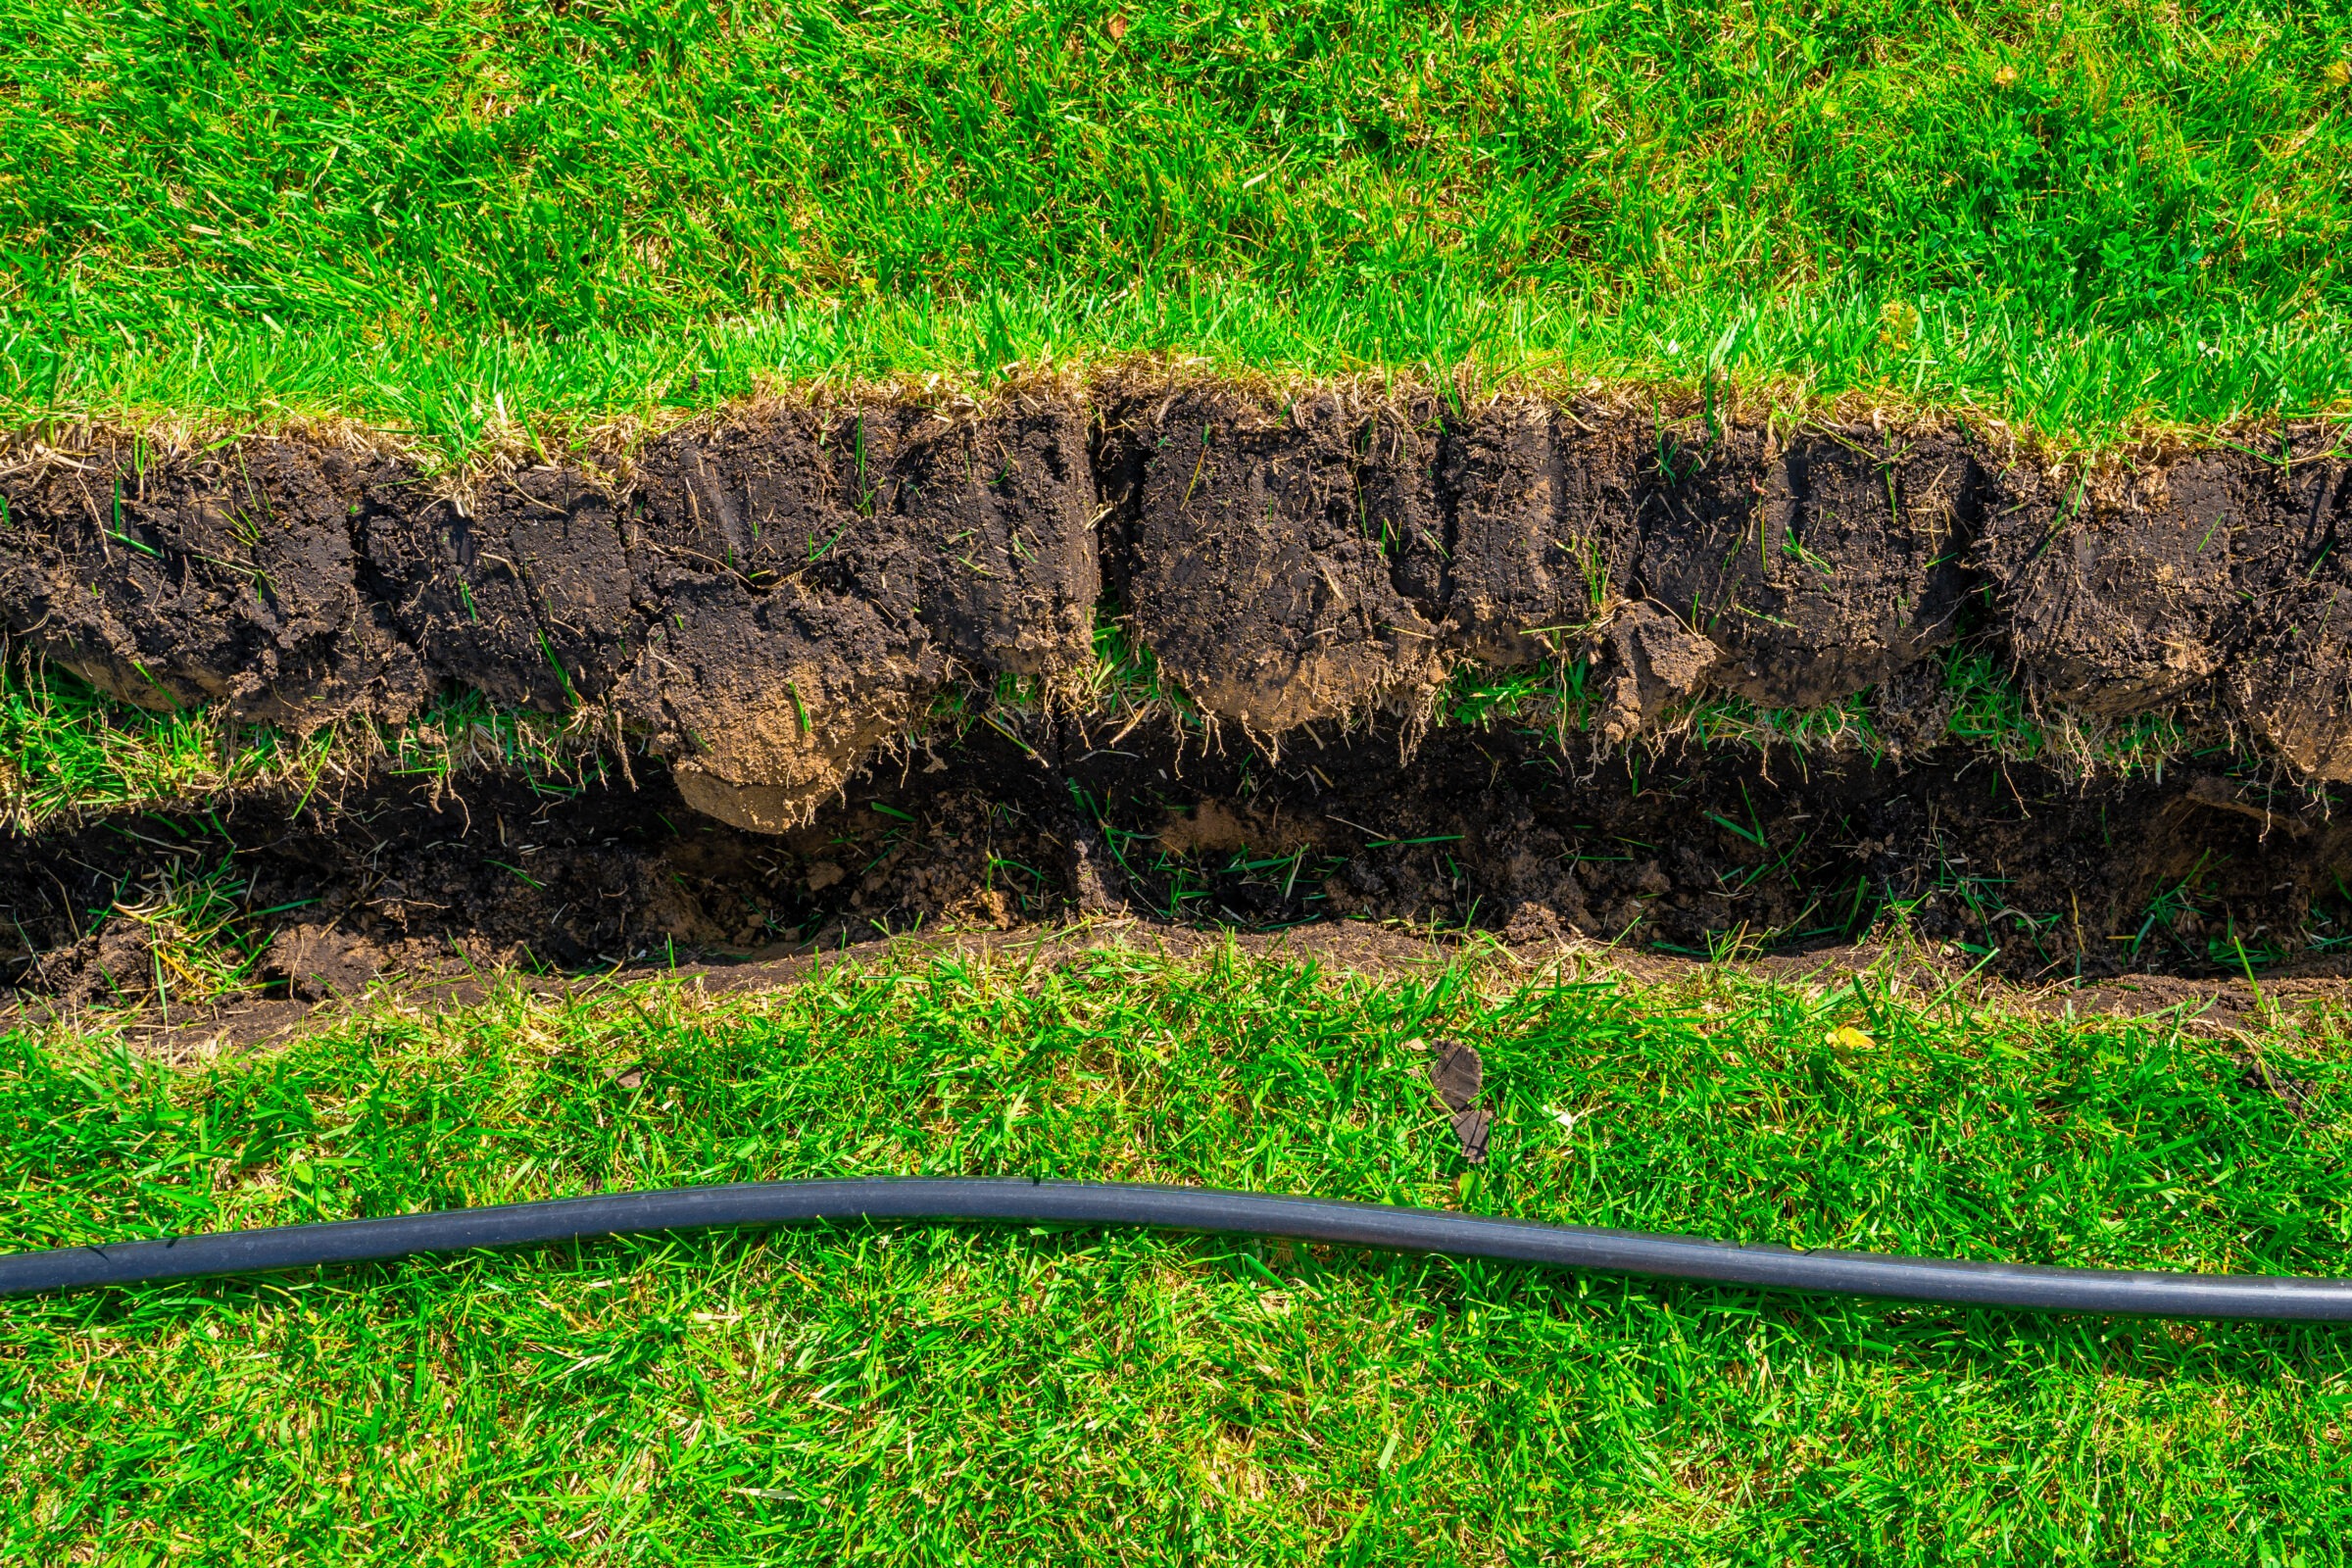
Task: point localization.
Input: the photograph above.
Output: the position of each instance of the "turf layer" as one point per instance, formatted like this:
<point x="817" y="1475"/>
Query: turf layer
<point x="916" y="1394"/>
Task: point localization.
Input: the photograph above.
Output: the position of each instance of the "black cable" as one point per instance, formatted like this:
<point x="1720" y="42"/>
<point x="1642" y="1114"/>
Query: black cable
<point x="1183" y="1208"/>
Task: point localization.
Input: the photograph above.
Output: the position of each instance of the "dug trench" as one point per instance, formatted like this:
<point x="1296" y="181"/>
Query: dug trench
<point x="2019" y="869"/>
<point x="773" y="610"/>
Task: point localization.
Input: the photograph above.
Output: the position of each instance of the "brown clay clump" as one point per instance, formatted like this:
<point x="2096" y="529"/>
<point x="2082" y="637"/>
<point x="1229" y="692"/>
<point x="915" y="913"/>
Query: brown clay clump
<point x="1265" y="552"/>
<point x="769" y="701"/>
<point x="816" y="575"/>
<point x="1649" y="659"/>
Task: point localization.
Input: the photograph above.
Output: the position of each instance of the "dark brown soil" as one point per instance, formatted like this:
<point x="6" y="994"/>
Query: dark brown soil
<point x="2022" y="871"/>
<point x="765" y="605"/>
<point x="1819" y="570"/>
<point x="1265" y="551"/>
<point x="766" y="601"/>
<point x="770" y="597"/>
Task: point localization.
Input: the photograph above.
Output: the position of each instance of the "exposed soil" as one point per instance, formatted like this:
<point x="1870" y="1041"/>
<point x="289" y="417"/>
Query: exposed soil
<point x="2020" y="872"/>
<point x="768" y="598"/>
<point x="766" y="605"/>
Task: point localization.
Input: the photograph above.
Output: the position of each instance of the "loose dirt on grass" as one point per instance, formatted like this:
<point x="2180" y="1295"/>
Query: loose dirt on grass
<point x="769" y="606"/>
<point x="2218" y="1006"/>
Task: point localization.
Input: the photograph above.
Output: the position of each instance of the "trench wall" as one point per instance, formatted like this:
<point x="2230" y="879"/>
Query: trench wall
<point x="768" y="597"/>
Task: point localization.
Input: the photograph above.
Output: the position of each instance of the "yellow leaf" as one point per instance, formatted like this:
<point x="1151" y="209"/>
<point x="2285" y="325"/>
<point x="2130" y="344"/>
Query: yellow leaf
<point x="1848" y="1037"/>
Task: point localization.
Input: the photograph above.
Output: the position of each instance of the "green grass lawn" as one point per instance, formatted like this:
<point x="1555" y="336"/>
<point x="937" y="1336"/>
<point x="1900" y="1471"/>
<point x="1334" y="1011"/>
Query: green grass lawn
<point x="491" y="223"/>
<point x="486" y="223"/>
<point x="918" y="1393"/>
<point x="459" y="219"/>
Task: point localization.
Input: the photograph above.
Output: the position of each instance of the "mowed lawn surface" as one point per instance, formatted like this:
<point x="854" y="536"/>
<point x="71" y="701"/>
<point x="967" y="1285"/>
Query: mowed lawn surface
<point x="919" y="1394"/>
<point x="459" y="218"/>
<point x="489" y="222"/>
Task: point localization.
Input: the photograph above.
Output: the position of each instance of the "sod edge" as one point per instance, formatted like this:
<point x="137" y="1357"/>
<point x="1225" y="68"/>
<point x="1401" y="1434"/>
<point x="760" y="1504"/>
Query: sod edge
<point x="769" y="595"/>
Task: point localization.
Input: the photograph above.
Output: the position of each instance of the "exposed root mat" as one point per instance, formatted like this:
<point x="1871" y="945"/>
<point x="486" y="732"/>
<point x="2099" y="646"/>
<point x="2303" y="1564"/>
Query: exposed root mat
<point x="768" y="598"/>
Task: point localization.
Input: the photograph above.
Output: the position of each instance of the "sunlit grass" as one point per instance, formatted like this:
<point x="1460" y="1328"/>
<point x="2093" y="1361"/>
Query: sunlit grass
<point x="1015" y="1395"/>
<point x="1797" y="353"/>
<point x="500" y="222"/>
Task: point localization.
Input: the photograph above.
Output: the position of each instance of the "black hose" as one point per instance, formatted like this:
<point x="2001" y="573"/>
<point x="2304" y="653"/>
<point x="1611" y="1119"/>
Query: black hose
<point x="1185" y="1208"/>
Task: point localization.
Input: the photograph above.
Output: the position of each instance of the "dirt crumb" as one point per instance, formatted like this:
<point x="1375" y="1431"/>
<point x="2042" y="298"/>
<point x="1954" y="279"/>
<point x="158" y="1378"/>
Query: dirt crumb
<point x="1648" y="661"/>
<point x="314" y="963"/>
